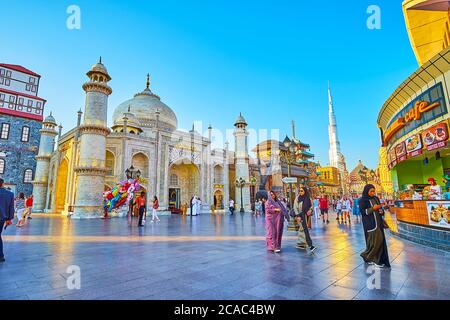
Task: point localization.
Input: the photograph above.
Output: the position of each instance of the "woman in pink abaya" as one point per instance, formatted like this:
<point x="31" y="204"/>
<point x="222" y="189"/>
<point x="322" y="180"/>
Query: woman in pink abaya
<point x="274" y="222"/>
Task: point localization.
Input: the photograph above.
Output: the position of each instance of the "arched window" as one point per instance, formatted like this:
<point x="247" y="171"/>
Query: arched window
<point x="101" y="79"/>
<point x="95" y="78"/>
<point x="174" y="180"/>
<point x="28" y="176"/>
<point x="2" y="166"/>
<point x="132" y="132"/>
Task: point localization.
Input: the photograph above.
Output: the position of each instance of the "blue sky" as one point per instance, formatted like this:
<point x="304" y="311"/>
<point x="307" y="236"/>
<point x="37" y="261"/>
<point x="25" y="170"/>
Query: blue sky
<point x="210" y="60"/>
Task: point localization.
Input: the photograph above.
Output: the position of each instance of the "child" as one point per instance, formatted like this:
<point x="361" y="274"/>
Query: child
<point x="19" y="206"/>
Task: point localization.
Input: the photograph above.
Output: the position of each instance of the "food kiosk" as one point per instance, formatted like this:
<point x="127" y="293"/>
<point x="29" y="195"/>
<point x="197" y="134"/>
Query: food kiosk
<point x="414" y="125"/>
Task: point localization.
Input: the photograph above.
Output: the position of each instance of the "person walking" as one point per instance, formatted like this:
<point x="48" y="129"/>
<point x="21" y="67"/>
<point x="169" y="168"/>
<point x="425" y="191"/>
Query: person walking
<point x="231" y="206"/>
<point x="29" y="206"/>
<point x="323" y="206"/>
<point x="154" y="209"/>
<point x="346" y="207"/>
<point x="258" y="207"/>
<point x="275" y="212"/>
<point x="355" y="210"/>
<point x="301" y="207"/>
<point x="371" y="209"/>
<point x="6" y="213"/>
<point x="339" y="210"/>
<point x="141" y="203"/>
<point x="19" y="207"/>
<point x="316" y="209"/>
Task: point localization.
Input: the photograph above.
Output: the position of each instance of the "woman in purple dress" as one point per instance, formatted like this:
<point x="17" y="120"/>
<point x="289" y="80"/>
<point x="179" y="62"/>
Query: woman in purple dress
<point x="275" y="212"/>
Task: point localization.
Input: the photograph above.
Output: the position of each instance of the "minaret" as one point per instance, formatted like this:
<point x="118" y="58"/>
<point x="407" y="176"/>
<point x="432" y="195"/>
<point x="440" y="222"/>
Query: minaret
<point x="40" y="183"/>
<point x="91" y="169"/>
<point x="335" y="147"/>
<point x="241" y="161"/>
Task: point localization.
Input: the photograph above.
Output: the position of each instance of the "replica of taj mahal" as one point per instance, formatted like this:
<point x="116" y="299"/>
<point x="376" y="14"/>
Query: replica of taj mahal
<point x="73" y="172"/>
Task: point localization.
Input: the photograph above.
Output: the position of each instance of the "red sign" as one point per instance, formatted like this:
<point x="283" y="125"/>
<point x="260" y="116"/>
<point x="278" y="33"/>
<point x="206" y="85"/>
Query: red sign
<point x="414" y="145"/>
<point x="400" y="152"/>
<point x="435" y="137"/>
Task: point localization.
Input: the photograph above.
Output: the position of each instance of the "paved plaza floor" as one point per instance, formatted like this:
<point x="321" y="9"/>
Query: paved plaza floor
<point x="217" y="257"/>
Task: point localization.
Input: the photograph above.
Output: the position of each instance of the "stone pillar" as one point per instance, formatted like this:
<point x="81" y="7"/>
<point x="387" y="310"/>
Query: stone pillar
<point x="226" y="179"/>
<point x="91" y="170"/>
<point x="241" y="161"/>
<point x="40" y="183"/>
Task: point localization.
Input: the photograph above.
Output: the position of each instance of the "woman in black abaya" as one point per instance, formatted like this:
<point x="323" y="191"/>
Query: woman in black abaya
<point x="372" y="211"/>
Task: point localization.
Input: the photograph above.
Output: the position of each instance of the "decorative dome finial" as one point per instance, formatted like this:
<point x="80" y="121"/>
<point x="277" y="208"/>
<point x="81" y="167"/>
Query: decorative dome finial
<point x="148" y="80"/>
<point x="129" y="108"/>
<point x="100" y="60"/>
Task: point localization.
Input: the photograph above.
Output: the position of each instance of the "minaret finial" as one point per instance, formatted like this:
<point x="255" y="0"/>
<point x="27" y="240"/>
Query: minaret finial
<point x="293" y="129"/>
<point x="100" y="60"/>
<point x="129" y="108"/>
<point x="148" y="80"/>
<point x="50" y="112"/>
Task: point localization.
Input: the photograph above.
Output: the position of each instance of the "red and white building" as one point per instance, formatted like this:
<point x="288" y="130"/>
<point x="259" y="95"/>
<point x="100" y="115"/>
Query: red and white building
<point x="21" y="116"/>
<point x="19" y="92"/>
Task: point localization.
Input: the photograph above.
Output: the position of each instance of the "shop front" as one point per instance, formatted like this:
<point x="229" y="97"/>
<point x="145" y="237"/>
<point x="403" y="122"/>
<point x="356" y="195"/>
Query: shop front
<point x="414" y="125"/>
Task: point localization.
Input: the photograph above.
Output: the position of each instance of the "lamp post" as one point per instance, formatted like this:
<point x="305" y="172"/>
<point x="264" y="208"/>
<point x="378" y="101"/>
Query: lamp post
<point x="240" y="183"/>
<point x="290" y="157"/>
<point x="132" y="173"/>
<point x="253" y="182"/>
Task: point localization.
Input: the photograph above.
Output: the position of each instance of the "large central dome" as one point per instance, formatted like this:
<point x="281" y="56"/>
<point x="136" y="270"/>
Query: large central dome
<point x="145" y="106"/>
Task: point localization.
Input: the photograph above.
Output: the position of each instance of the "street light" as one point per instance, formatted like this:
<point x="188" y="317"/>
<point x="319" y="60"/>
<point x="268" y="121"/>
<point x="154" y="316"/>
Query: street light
<point x="290" y="156"/>
<point x="132" y="173"/>
<point x="240" y="183"/>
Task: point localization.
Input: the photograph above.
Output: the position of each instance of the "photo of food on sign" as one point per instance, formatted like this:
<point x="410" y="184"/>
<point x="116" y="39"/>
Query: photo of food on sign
<point x="413" y="143"/>
<point x="439" y="213"/>
<point x="400" y="150"/>
<point x="436" y="134"/>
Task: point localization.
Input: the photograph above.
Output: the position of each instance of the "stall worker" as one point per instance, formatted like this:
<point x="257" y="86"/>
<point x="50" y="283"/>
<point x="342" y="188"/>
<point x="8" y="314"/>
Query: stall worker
<point x="435" y="189"/>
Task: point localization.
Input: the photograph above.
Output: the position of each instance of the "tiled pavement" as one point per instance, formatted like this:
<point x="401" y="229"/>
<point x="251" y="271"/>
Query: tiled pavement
<point x="207" y="257"/>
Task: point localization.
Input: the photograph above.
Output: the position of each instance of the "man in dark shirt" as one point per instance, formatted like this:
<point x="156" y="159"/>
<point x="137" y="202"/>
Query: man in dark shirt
<point x="6" y="212"/>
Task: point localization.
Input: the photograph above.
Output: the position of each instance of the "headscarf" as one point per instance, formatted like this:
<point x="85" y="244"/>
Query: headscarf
<point x="365" y="194"/>
<point x="366" y="200"/>
<point x="273" y="201"/>
<point x="306" y="199"/>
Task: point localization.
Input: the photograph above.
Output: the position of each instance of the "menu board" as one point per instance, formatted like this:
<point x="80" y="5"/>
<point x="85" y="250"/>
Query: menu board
<point x="392" y="158"/>
<point x="400" y="152"/>
<point x="414" y="145"/>
<point x="435" y="137"/>
<point x="439" y="213"/>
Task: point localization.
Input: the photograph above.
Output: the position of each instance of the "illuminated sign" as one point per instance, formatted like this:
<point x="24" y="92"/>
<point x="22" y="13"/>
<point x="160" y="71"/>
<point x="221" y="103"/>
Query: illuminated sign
<point x="420" y="107"/>
<point x="435" y="137"/>
<point x="414" y="145"/>
<point x="400" y="152"/>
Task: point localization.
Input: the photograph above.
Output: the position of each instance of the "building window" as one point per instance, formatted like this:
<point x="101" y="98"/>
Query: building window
<point x="2" y="166"/>
<point x="5" y="131"/>
<point x="2" y="80"/>
<point x="25" y="134"/>
<point x="2" y="100"/>
<point x="12" y="102"/>
<point x="28" y="176"/>
<point x="174" y="180"/>
<point x="2" y="72"/>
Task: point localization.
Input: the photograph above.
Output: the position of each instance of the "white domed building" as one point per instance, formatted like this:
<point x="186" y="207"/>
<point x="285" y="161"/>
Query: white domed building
<point x="144" y="139"/>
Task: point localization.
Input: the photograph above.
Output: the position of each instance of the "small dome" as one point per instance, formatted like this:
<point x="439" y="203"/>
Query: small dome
<point x="99" y="68"/>
<point x="50" y="119"/>
<point x="132" y="121"/>
<point x="240" y="120"/>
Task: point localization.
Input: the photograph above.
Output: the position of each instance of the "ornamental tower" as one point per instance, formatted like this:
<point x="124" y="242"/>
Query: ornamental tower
<point x="241" y="162"/>
<point x="46" y="146"/>
<point x="91" y="169"/>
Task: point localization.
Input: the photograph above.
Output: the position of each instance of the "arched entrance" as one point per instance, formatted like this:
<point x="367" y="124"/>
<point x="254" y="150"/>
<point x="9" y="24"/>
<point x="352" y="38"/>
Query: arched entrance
<point x="184" y="182"/>
<point x="218" y="200"/>
<point x="61" y="186"/>
<point x="140" y="161"/>
<point x="110" y="163"/>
